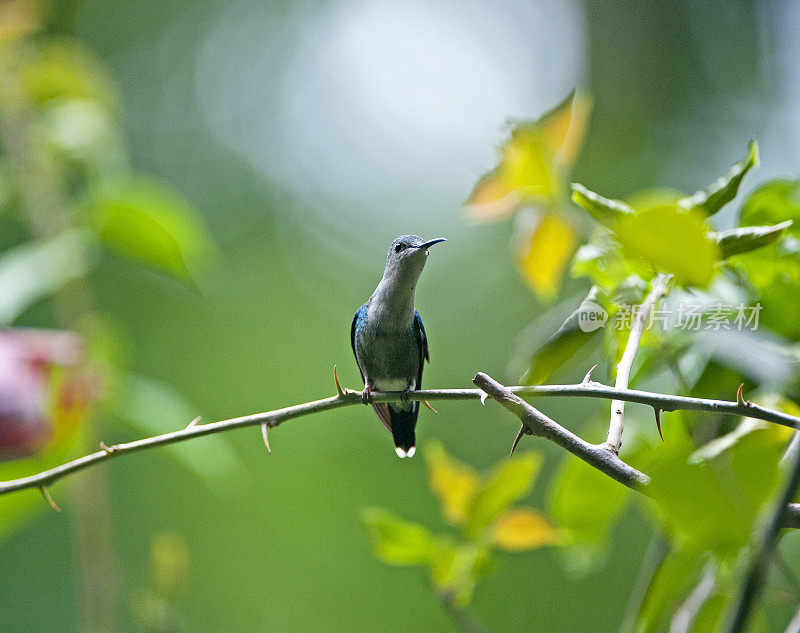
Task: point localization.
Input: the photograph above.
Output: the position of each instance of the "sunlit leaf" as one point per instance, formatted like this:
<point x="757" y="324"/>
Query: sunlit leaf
<point x="672" y="241"/>
<point x="576" y="331"/>
<point x="149" y="224"/>
<point x="604" y="210"/>
<point x="544" y="246"/>
<point x="532" y="161"/>
<point x="34" y="270"/>
<point x="510" y="481"/>
<point x="453" y="482"/>
<point x="710" y="200"/>
<point x="565" y="127"/>
<point x="774" y="202"/>
<point x="747" y="238"/>
<point x="152" y="407"/>
<point x="397" y="541"/>
<point x="522" y="529"/>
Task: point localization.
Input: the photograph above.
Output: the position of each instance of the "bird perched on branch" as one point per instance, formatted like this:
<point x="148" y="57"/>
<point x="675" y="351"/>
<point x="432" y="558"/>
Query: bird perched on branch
<point x="389" y="340"/>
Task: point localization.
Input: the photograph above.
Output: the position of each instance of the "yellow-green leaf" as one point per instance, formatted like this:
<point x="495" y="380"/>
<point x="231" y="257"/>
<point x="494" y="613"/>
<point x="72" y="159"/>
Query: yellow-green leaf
<point x="522" y="529"/>
<point x="397" y="541"/>
<point x="565" y="127"/>
<point x="672" y="240"/>
<point x="532" y="161"/>
<point x="453" y="482"/>
<point x="544" y="248"/>
<point x="510" y="481"/>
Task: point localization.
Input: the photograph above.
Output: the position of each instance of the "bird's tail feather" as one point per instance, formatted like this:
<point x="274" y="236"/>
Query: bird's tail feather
<point x="403" y="423"/>
<point x="400" y="422"/>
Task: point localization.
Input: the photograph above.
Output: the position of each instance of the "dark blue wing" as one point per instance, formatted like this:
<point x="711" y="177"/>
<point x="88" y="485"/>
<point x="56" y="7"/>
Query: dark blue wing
<point x="422" y="342"/>
<point x="360" y="314"/>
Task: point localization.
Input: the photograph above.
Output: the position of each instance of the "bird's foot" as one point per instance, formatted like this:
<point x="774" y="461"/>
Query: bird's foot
<point x="404" y="394"/>
<point x="366" y="395"/>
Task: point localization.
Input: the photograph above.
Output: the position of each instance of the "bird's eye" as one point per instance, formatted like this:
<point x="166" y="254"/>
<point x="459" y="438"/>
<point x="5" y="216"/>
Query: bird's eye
<point x="398" y="248"/>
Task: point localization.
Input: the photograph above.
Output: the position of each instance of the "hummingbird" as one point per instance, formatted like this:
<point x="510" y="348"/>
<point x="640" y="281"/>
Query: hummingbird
<point x="389" y="340"/>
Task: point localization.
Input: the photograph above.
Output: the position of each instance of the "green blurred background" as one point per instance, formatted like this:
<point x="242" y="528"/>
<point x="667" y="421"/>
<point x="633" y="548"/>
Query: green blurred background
<point x="309" y="135"/>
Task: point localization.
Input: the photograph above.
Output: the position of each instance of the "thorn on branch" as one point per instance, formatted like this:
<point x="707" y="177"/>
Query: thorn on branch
<point x="588" y="377"/>
<point x="49" y="499"/>
<point x="194" y="422"/>
<point x="657" y="411"/>
<point x="517" y="439"/>
<point x="484" y="397"/>
<point x="740" y="398"/>
<point x="264" y="430"/>
<point x="341" y="393"/>
<point x="108" y="449"/>
<point x="427" y="404"/>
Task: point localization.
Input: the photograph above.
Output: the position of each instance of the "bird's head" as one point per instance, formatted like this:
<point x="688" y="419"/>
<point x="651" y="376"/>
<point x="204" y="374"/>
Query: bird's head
<point x="407" y="255"/>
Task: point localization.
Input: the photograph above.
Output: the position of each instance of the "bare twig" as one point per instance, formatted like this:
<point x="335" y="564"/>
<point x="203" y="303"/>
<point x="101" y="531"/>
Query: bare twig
<point x="640" y="318"/>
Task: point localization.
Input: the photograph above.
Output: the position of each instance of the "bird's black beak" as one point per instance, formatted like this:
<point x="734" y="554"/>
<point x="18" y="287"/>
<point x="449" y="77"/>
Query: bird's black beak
<point x="430" y="243"/>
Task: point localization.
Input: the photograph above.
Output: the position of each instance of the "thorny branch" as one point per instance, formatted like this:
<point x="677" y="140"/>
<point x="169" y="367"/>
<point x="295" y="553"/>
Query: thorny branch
<point x="597" y="455"/>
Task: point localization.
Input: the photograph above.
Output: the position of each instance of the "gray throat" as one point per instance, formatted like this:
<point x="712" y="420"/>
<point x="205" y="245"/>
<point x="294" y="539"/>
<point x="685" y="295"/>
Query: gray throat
<point x="392" y="303"/>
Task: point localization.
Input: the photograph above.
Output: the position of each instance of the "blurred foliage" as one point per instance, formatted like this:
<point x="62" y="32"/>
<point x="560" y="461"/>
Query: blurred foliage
<point x="157" y="607"/>
<point x="480" y="507"/>
<point x="65" y="181"/>
<point x="530" y="181"/>
<point x="710" y="482"/>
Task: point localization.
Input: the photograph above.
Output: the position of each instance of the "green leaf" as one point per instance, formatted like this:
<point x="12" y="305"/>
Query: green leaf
<point x="674" y="578"/>
<point x="672" y="241"/>
<point x="143" y="221"/>
<point x="34" y="270"/>
<point x="747" y="238"/>
<point x="399" y="542"/>
<point x="724" y="189"/>
<point x="604" y="210"/>
<point x="712" y="498"/>
<point x="152" y="407"/>
<point x="585" y="504"/>
<point x="576" y="331"/>
<point x="773" y="202"/>
<point x="511" y="480"/>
